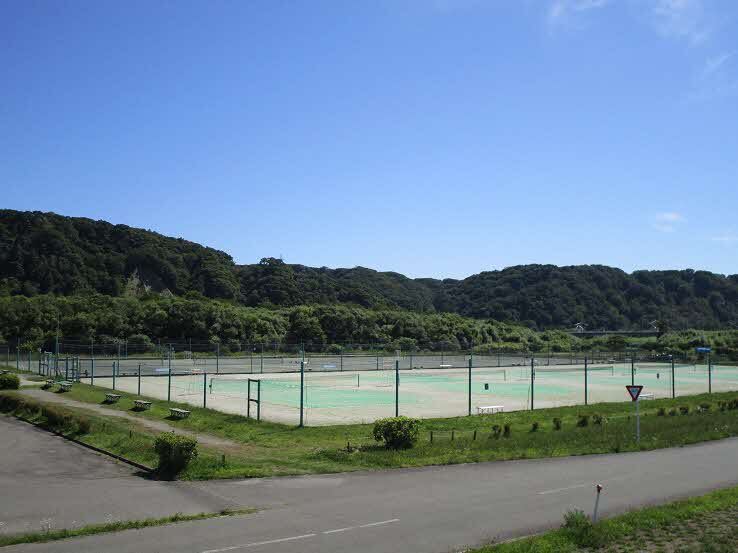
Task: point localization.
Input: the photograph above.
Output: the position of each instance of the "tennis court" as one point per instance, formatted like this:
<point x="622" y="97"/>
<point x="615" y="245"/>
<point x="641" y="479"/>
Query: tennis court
<point x="334" y="397"/>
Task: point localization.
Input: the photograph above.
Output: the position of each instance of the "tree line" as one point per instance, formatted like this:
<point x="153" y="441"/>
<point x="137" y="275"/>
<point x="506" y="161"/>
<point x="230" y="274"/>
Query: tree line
<point x="46" y="253"/>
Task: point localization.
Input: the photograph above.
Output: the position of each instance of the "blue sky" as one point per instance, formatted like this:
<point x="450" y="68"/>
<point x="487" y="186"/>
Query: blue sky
<point x="433" y="138"/>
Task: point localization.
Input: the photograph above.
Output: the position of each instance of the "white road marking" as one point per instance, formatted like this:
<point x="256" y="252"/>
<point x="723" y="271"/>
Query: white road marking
<point x="303" y="536"/>
<point x="339" y="530"/>
<point x="564" y="489"/>
<point x="257" y="543"/>
<point x="390" y="521"/>
<point x="584" y="485"/>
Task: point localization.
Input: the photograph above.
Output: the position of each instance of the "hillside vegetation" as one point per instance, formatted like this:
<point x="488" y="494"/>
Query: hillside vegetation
<point x="45" y="253"/>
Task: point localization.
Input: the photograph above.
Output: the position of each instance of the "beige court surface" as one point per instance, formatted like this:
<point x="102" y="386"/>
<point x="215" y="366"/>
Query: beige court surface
<point x="364" y="396"/>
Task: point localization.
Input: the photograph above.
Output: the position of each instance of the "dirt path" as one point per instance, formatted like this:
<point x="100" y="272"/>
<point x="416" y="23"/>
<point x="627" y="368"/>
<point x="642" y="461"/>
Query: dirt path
<point x="159" y="426"/>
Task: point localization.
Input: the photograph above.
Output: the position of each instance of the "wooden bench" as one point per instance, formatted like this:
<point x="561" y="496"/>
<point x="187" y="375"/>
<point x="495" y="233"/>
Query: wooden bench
<point x="489" y="409"/>
<point x="178" y="413"/>
<point x="112" y="398"/>
<point x="65" y="386"/>
<point x="141" y="405"/>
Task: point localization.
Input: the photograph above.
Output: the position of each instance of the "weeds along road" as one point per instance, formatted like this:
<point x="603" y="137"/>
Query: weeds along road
<point x="426" y="510"/>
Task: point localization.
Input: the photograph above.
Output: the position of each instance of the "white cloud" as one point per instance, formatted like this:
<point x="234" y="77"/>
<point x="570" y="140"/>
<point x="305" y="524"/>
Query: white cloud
<point x="667" y="221"/>
<point x="565" y="12"/>
<point x="715" y="64"/>
<point x="681" y="19"/>
<point x="726" y="238"/>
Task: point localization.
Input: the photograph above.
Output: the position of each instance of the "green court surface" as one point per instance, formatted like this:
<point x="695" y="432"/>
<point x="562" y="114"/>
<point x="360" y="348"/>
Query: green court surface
<point x="332" y="397"/>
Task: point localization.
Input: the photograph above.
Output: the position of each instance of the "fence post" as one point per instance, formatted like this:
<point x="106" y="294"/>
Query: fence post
<point x="169" y="376"/>
<point x="139" y="379"/>
<point x="204" y="389"/>
<point x="17" y="354"/>
<point x="585" y="381"/>
<point x="262" y="358"/>
<point x="673" y="387"/>
<point x="470" y="386"/>
<point x="709" y="374"/>
<point x="632" y="370"/>
<point x="248" y="398"/>
<point x="114" y="374"/>
<point x="302" y="390"/>
<point x="92" y="373"/>
<point x="217" y="358"/>
<point x="532" y="381"/>
<point x="397" y="388"/>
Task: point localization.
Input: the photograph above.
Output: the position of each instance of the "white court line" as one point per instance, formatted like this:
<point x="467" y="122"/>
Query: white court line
<point x="303" y="536"/>
<point x="257" y="543"/>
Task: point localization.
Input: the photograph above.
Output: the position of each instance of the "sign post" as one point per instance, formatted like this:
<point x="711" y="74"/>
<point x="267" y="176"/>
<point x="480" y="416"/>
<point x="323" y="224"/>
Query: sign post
<point x="635" y="391"/>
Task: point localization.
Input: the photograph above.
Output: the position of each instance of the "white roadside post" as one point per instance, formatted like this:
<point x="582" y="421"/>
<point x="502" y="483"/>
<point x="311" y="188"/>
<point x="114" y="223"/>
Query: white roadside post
<point x="597" y="503"/>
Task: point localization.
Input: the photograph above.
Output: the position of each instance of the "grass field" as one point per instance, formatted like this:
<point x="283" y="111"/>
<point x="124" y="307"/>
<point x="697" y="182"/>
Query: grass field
<point x="706" y="524"/>
<point x="268" y="449"/>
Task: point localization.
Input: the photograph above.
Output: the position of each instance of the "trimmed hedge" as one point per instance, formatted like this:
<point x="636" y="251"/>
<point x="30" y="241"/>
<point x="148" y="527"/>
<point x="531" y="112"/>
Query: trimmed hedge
<point x="397" y="432"/>
<point x="175" y="453"/>
<point x="9" y="381"/>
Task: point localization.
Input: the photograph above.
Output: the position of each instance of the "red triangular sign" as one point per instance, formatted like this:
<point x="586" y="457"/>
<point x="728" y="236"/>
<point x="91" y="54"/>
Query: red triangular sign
<point x="634" y="391"/>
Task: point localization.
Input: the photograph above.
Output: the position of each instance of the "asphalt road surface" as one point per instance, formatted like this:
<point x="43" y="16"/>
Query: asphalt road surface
<point x="428" y="510"/>
<point x="49" y="482"/>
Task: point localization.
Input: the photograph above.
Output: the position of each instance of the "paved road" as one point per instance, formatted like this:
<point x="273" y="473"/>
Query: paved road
<point x="434" y="509"/>
<point x="47" y="480"/>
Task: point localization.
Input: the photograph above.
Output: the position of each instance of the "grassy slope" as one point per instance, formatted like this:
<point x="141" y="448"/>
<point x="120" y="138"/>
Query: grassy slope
<point x="681" y="524"/>
<point x="274" y="449"/>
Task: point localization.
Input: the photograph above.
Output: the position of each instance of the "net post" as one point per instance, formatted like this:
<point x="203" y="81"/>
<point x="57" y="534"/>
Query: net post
<point x="139" y="379"/>
<point x="470" y="387"/>
<point x="397" y="388"/>
<point x="585" y="381"/>
<point x="302" y="392"/>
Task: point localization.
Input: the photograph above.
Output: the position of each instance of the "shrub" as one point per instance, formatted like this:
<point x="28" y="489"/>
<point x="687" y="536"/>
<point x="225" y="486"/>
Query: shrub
<point x="557" y="423"/>
<point x="598" y="419"/>
<point x="581" y="530"/>
<point x="506" y="431"/>
<point x="496" y="430"/>
<point x="672" y="412"/>
<point x="705" y="407"/>
<point x="684" y="409"/>
<point x="583" y="421"/>
<point x="534" y="427"/>
<point x="397" y="432"/>
<point x="175" y="453"/>
<point x="9" y="382"/>
<point x="733" y="404"/>
<point x="722" y="405"/>
<point x="661" y="412"/>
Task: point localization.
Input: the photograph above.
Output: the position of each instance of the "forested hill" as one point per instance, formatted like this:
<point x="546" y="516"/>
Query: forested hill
<point x="44" y="253"/>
